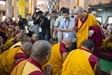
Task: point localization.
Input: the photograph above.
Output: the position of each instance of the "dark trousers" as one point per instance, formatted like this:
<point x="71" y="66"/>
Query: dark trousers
<point x="72" y="47"/>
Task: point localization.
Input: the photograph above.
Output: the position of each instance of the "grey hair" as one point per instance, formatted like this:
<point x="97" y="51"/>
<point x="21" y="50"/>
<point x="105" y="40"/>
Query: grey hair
<point x="80" y="8"/>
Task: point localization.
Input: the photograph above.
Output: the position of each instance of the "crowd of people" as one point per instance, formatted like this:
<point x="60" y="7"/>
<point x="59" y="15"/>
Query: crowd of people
<point x="55" y="43"/>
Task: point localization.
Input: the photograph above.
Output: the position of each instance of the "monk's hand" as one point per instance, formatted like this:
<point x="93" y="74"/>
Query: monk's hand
<point x="91" y="32"/>
<point x="48" y="70"/>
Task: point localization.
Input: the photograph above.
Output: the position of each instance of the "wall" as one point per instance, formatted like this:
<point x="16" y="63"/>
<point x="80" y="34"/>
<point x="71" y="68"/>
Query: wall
<point x="105" y="13"/>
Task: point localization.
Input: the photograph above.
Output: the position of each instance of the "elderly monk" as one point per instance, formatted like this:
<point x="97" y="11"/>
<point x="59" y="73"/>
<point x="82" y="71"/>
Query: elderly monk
<point x="86" y="27"/>
<point x="12" y="56"/>
<point x="34" y="38"/>
<point x="58" y="55"/>
<point x="81" y="61"/>
<point x="17" y="30"/>
<point x="22" y="32"/>
<point x="33" y="66"/>
<point x="12" y="41"/>
<point x="24" y="39"/>
<point x="52" y="41"/>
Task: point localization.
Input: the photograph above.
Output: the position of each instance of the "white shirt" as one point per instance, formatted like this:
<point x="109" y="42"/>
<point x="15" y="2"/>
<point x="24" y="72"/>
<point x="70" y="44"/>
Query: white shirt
<point x="58" y="20"/>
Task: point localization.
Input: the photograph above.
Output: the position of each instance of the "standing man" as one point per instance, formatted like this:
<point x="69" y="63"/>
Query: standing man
<point x="66" y="23"/>
<point x="86" y="28"/>
<point x="52" y="22"/>
<point x="57" y="23"/>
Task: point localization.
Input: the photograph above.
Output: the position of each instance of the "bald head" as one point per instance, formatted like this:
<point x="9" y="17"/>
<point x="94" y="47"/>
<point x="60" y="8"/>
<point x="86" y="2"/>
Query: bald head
<point x="18" y="37"/>
<point x="68" y="42"/>
<point x="79" y="8"/>
<point x="22" y="32"/>
<point x="27" y="46"/>
<point x="17" y="28"/>
<point x="94" y="13"/>
<point x="35" y="37"/>
<point x="88" y="44"/>
<point x="25" y="38"/>
<point x="79" y="12"/>
<point x="40" y="49"/>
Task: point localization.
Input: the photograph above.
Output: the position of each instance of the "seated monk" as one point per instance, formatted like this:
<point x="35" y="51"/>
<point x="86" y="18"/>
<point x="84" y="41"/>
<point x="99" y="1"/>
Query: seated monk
<point x="22" y="32"/>
<point x="58" y="55"/>
<point x="1" y="44"/>
<point x="12" y="56"/>
<point x="24" y="39"/>
<point x="39" y="56"/>
<point x="107" y="43"/>
<point x="17" y="30"/>
<point x="34" y="38"/>
<point x="82" y="61"/>
<point x="52" y="41"/>
<point x="12" y="41"/>
<point x="10" y="30"/>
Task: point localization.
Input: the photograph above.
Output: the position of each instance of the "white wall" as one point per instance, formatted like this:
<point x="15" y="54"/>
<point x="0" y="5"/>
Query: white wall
<point x="105" y="13"/>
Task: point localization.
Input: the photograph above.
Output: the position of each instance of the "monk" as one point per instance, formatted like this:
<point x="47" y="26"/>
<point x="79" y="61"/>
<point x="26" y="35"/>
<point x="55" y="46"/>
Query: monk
<point x="39" y="56"/>
<point x="17" y="30"/>
<point x="81" y="61"/>
<point x="24" y="39"/>
<point x="58" y="55"/>
<point x="52" y="41"/>
<point x="1" y="44"/>
<point x="12" y="56"/>
<point x="22" y="32"/>
<point x="12" y="41"/>
<point x="86" y="27"/>
<point x="34" y="38"/>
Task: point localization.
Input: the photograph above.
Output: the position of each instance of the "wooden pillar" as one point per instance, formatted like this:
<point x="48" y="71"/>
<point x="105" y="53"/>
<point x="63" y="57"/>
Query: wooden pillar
<point x="15" y="10"/>
<point x="1" y="15"/>
<point x="33" y="5"/>
<point x="84" y="4"/>
<point x="9" y="8"/>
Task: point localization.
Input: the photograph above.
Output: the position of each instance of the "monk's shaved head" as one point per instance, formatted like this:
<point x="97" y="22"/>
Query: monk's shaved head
<point x="35" y="37"/>
<point x="88" y="44"/>
<point x="18" y="37"/>
<point x="79" y="8"/>
<point x="68" y="42"/>
<point x="27" y="47"/>
<point x="27" y="44"/>
<point x="25" y="38"/>
<point x="94" y="13"/>
<point x="79" y="12"/>
<point x="40" y="49"/>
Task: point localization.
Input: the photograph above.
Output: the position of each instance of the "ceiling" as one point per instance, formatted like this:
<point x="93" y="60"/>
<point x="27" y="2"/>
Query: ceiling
<point x="100" y="6"/>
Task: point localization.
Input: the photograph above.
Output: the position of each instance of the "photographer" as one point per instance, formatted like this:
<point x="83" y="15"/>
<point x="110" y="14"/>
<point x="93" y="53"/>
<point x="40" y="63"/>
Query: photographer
<point x="44" y="28"/>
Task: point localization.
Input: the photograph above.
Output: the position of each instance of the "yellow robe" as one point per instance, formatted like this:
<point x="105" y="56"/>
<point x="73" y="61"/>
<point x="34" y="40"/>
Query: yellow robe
<point x="56" y="60"/>
<point x="83" y="29"/>
<point x="77" y="64"/>
<point x="23" y="68"/>
<point x="8" y="44"/>
<point x="16" y="45"/>
<point x="7" y="60"/>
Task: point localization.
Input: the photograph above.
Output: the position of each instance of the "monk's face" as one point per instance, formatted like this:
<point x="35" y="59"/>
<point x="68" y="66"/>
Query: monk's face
<point x="35" y="38"/>
<point x="68" y="45"/>
<point x="79" y="14"/>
